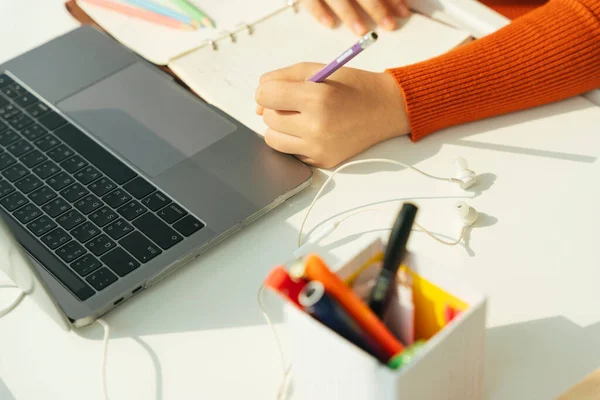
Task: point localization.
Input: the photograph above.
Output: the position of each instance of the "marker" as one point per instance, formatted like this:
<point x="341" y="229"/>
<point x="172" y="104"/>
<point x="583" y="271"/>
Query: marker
<point x="324" y="308"/>
<point x="394" y="254"/>
<point x="281" y="283"/>
<point x="346" y="56"/>
<point x="314" y="269"/>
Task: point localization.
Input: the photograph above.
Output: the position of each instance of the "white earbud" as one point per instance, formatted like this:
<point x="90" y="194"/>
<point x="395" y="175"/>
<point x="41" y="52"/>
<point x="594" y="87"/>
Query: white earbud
<point x="464" y="175"/>
<point x="466" y="213"/>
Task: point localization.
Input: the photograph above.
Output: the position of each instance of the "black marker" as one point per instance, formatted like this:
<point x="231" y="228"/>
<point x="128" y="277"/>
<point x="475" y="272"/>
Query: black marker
<point x="394" y="254"/>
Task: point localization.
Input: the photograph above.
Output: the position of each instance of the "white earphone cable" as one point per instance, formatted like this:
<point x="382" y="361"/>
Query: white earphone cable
<point x="7" y="310"/>
<point x="352" y="163"/>
<point x="105" y="340"/>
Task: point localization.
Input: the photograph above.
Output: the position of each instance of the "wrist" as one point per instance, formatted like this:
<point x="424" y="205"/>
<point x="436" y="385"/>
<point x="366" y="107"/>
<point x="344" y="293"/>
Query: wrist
<point x="395" y="106"/>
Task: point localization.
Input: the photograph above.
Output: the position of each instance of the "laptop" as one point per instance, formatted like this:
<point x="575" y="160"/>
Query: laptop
<point x="112" y="175"/>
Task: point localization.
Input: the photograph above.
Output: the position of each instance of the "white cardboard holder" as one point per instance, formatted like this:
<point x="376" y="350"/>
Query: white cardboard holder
<point x="325" y="366"/>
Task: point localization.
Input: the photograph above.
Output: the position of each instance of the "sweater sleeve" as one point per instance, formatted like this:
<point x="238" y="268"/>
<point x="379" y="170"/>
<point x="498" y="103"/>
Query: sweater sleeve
<point x="546" y="55"/>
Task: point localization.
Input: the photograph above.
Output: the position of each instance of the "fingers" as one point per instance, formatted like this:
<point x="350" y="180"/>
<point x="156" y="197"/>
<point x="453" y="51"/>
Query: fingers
<point x="284" y="143"/>
<point x="399" y="7"/>
<point x="345" y="10"/>
<point x="295" y="73"/>
<point x="320" y="12"/>
<point x="379" y="12"/>
<point x="290" y="123"/>
<point x="283" y="95"/>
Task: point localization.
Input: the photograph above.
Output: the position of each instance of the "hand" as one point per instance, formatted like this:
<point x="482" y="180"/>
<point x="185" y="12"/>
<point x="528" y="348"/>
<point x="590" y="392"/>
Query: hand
<point x="383" y="12"/>
<point x="326" y="123"/>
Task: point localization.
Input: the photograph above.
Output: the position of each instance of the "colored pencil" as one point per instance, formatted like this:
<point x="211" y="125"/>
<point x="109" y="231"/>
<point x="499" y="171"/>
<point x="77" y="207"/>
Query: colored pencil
<point x="194" y="12"/>
<point x="164" y="11"/>
<point x="139" y="13"/>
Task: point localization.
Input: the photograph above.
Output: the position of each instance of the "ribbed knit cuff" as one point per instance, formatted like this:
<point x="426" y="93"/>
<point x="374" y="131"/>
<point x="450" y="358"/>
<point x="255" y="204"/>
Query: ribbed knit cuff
<point x="547" y="55"/>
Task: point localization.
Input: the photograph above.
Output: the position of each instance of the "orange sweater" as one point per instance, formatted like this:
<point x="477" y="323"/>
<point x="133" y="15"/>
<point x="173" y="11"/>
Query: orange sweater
<point x="546" y="55"/>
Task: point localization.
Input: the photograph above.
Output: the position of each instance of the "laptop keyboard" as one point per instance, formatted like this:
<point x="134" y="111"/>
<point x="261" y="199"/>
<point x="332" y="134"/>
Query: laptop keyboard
<point x="95" y="213"/>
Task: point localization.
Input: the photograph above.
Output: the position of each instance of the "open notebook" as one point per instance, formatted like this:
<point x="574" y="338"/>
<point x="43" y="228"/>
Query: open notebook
<point x="278" y="36"/>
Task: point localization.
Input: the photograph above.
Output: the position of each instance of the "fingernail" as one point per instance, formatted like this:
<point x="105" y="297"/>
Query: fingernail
<point x="388" y="23"/>
<point x="404" y="11"/>
<point x="359" y="28"/>
<point x="327" y="21"/>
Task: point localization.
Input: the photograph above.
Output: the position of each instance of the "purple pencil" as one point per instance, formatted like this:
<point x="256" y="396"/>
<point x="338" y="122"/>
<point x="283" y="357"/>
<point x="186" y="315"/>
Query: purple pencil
<point x="346" y="56"/>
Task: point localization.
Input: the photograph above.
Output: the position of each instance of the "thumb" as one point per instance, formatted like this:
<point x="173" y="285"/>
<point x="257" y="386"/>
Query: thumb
<point x="295" y="73"/>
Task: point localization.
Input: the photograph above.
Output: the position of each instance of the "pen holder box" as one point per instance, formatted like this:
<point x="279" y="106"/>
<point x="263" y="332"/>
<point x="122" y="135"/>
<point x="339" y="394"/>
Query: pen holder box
<point x="448" y="367"/>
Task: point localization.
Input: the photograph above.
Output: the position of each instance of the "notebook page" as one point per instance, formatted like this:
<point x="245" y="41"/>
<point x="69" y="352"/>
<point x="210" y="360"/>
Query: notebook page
<point x="228" y="77"/>
<point x="158" y="43"/>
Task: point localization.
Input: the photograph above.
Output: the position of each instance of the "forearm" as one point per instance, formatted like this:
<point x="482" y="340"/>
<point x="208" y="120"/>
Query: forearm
<point x="547" y="55"/>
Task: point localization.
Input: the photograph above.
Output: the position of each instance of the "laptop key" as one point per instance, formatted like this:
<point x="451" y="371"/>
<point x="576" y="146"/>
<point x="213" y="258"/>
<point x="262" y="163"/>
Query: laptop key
<point x="59" y="153"/>
<point x="118" y="229"/>
<point x="19" y="148"/>
<point x="100" y="245"/>
<point x="46" y="169"/>
<point x="13" y="90"/>
<point x="33" y="132"/>
<point x="171" y="213"/>
<point x="120" y="262"/>
<point x="95" y="154"/>
<point x="47" y="142"/>
<point x="52" y="121"/>
<point x="13" y="201"/>
<point x="70" y="251"/>
<point x="15" y="172"/>
<point x="132" y="210"/>
<point x="188" y="225"/>
<point x="74" y="192"/>
<point x="70" y="219"/>
<point x="116" y="198"/>
<point x="20" y="121"/>
<point x="8" y="137"/>
<point x="42" y="195"/>
<point x="27" y="214"/>
<point x="33" y="158"/>
<point x="37" y="110"/>
<point x="139" y="188"/>
<point x="86" y="265"/>
<point x="103" y="216"/>
<point x="6" y="160"/>
<point x="25" y="100"/>
<point x="29" y="184"/>
<point x="87" y="175"/>
<point x="157" y="230"/>
<point x="56" y="207"/>
<point x="60" y="180"/>
<point x="156" y="201"/>
<point x="73" y="164"/>
<point x="56" y="238"/>
<point x="88" y="204"/>
<point x="5" y="80"/>
<point x="41" y="225"/>
<point x="9" y="111"/>
<point x="85" y="232"/>
<point x="3" y="125"/>
<point x="5" y="188"/>
<point x="140" y="247"/>
<point x="101" y="279"/>
<point x="102" y="186"/>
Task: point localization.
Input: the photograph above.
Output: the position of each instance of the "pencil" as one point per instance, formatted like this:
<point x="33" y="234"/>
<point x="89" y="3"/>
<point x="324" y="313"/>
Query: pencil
<point x="140" y="13"/>
<point x="162" y="10"/>
<point x="194" y="12"/>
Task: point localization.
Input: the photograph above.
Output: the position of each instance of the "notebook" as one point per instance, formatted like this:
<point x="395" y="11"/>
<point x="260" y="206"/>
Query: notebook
<point x="223" y="67"/>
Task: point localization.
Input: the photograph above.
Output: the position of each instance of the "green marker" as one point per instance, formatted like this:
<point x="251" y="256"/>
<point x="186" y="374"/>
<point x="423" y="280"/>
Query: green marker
<point x="194" y="12"/>
<point x="404" y="358"/>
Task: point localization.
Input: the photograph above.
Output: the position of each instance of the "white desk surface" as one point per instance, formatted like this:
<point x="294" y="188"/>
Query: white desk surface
<point x="199" y="334"/>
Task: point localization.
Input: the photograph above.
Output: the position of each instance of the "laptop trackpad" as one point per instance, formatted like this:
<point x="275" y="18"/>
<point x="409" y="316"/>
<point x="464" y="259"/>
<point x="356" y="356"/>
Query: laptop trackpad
<point x="147" y="119"/>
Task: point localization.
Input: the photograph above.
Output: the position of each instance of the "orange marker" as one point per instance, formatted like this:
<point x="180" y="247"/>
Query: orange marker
<point x="315" y="269"/>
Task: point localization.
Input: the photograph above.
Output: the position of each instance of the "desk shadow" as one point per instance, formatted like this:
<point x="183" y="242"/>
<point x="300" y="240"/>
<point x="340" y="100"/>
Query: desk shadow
<point x="5" y="393"/>
<point x="539" y="359"/>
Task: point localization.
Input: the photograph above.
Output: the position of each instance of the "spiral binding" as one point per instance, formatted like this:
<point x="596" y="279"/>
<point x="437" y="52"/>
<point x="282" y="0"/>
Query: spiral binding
<point x="293" y="4"/>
